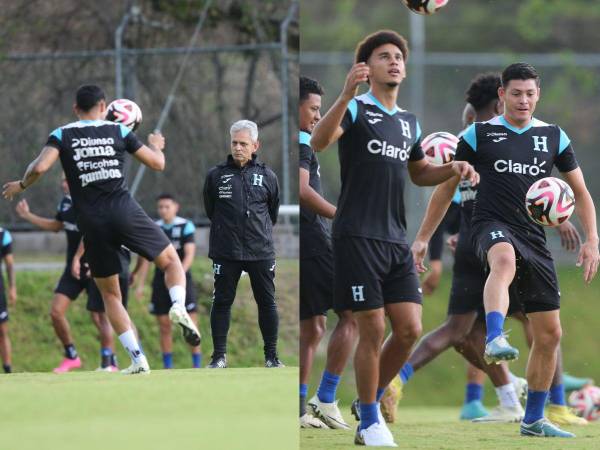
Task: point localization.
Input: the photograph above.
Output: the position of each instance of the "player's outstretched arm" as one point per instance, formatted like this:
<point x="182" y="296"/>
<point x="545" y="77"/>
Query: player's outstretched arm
<point x="189" y="251"/>
<point x="44" y="223"/>
<point x="424" y="173"/>
<point x="328" y="129"/>
<point x="34" y="171"/>
<point x="12" y="279"/>
<point x="436" y="209"/>
<point x="152" y="154"/>
<point x="309" y="198"/>
<point x="589" y="257"/>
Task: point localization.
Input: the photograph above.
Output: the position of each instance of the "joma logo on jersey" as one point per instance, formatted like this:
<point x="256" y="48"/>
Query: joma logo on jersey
<point x="383" y="148"/>
<point x="534" y="169"/>
<point x="91" y="152"/>
<point x="540" y="143"/>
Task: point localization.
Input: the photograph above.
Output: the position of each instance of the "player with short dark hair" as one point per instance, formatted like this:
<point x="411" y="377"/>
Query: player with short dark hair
<point x="92" y="153"/>
<point x="6" y="256"/>
<point x="316" y="277"/>
<point x="511" y="152"/>
<point x="180" y="232"/>
<point x="379" y="145"/>
<point x="241" y="198"/>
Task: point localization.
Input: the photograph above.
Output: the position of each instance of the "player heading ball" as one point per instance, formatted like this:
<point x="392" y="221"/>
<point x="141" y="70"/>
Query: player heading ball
<point x="107" y="214"/>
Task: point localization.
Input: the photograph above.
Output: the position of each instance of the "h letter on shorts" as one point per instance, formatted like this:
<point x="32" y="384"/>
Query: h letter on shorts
<point x="358" y="293"/>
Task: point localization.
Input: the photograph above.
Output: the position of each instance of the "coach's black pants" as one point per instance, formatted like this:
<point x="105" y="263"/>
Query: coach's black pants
<point x="262" y="279"/>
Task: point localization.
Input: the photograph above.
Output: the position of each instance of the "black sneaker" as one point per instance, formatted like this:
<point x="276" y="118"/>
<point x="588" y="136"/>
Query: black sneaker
<point x="355" y="409"/>
<point x="218" y="362"/>
<point x="273" y="361"/>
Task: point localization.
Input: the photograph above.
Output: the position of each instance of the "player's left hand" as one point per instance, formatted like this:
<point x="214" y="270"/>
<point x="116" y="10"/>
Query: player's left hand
<point x="10" y="189"/>
<point x="466" y="171"/>
<point x="569" y="236"/>
<point x="452" y="241"/>
<point x="12" y="296"/>
<point x="419" y="250"/>
<point x="589" y="257"/>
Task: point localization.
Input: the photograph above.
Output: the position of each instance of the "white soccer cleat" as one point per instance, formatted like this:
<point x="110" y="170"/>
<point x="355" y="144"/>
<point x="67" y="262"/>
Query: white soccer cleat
<point x="138" y="368"/>
<point x="503" y="414"/>
<point x="328" y="413"/>
<point x="377" y="435"/>
<point x="308" y="421"/>
<point x="179" y="315"/>
<point x="520" y="385"/>
<point x="107" y="369"/>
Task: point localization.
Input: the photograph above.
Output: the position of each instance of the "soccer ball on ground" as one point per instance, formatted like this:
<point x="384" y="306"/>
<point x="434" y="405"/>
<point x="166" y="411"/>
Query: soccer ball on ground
<point x="125" y="112"/>
<point x="550" y="201"/>
<point x="425" y="7"/>
<point x="586" y="402"/>
<point x="439" y="147"/>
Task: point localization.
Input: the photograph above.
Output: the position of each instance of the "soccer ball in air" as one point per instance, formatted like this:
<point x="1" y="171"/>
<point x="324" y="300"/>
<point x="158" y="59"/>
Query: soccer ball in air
<point x="125" y="112"/>
<point x="550" y="201"/>
<point x="439" y="147"/>
<point x="586" y="402"/>
<point x="425" y="7"/>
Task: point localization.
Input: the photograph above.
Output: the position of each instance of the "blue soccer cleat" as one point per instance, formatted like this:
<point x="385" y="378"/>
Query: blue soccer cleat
<point x="473" y="410"/>
<point x="572" y="383"/>
<point x="543" y="428"/>
<point x="498" y="349"/>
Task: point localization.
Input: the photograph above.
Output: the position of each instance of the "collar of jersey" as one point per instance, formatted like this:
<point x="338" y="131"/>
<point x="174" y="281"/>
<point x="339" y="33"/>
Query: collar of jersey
<point x="380" y="106"/>
<point x="176" y="221"/>
<point x="504" y="122"/>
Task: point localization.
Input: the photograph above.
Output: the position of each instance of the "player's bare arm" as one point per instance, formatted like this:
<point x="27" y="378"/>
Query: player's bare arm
<point x="152" y="154"/>
<point x="189" y="251"/>
<point x="423" y="173"/>
<point x="328" y="129"/>
<point x="436" y="209"/>
<point x="34" y="171"/>
<point x="12" y="279"/>
<point x="584" y="207"/>
<point x="44" y="223"/>
<point x="309" y="198"/>
<point x="569" y="236"/>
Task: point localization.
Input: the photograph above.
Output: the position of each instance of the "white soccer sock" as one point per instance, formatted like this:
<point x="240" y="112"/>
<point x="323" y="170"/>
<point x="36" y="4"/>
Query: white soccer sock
<point x="507" y="395"/>
<point x="177" y="294"/>
<point x="512" y="377"/>
<point x="131" y="344"/>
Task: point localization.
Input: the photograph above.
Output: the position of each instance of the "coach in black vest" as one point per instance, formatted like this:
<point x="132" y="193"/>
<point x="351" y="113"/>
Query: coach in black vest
<point x="241" y="197"/>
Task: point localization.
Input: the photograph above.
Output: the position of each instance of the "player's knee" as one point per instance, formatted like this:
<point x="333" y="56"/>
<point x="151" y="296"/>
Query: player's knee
<point x="347" y="324"/>
<point x="504" y="263"/>
<point x="409" y="333"/>
<point x="165" y="329"/>
<point x="56" y="314"/>
<point x="550" y="338"/>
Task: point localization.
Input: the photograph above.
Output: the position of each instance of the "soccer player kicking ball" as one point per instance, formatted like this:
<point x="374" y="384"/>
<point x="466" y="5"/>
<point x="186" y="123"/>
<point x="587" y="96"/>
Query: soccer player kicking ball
<point x="379" y="145"/>
<point x="92" y="153"/>
<point x="180" y="232"/>
<point x="316" y="278"/>
<point x="511" y="152"/>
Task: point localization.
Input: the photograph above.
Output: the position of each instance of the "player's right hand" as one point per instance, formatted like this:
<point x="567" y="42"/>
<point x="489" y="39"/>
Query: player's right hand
<point x="419" y="250"/>
<point x="10" y="189"/>
<point x="22" y="208"/>
<point x="589" y="258"/>
<point x="569" y="236"/>
<point x="156" y="141"/>
<point x="359" y="73"/>
<point x="76" y="268"/>
<point x="452" y="241"/>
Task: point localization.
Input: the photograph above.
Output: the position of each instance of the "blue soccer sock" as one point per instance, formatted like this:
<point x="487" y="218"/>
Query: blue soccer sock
<point x="167" y="360"/>
<point x="105" y="357"/>
<point x="379" y="394"/>
<point x="557" y="395"/>
<point x="406" y="372"/>
<point x="196" y="360"/>
<point x="473" y="392"/>
<point x="534" y="409"/>
<point x="368" y="415"/>
<point x="328" y="387"/>
<point x="303" y="392"/>
<point x="494" y="322"/>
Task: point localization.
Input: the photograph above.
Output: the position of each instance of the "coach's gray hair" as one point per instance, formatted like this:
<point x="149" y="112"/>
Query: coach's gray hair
<point x="246" y="125"/>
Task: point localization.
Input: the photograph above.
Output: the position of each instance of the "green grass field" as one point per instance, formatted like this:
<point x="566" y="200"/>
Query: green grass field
<point x="438" y="428"/>
<point x="178" y="409"/>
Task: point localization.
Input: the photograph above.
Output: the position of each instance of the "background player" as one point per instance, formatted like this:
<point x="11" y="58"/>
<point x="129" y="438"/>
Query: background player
<point x="180" y="232"/>
<point x="374" y="270"/>
<point x="316" y="277"/>
<point x="7" y="257"/>
<point x="92" y="153"/>
<point x="502" y="230"/>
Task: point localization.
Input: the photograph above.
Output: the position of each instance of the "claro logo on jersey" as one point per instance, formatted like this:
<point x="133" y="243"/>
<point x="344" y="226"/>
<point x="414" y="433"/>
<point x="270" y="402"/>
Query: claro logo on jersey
<point x="89" y="148"/>
<point x="534" y="169"/>
<point x="378" y="147"/>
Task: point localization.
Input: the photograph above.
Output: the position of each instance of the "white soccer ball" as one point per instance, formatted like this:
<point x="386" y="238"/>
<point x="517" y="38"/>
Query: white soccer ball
<point x="550" y="201"/>
<point x="126" y="112"/>
<point x="439" y="147"/>
<point x="425" y="7"/>
<point x="586" y="402"/>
